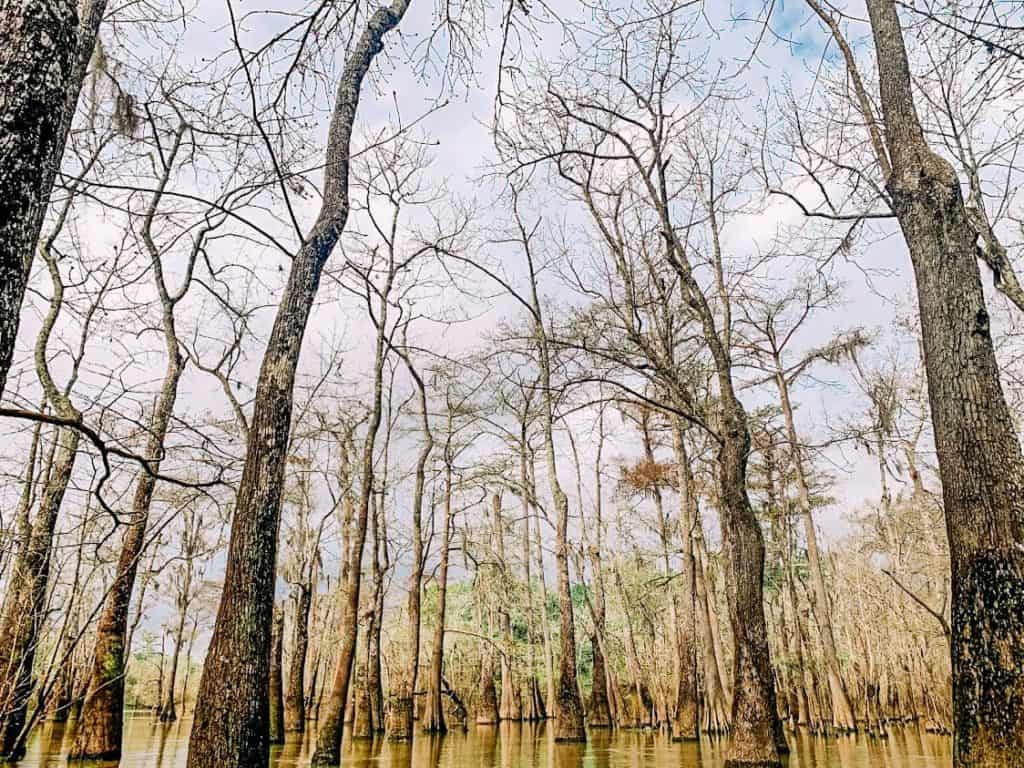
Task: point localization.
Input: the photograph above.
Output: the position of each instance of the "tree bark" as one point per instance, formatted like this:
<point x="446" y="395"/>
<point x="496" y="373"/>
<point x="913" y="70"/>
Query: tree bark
<point x="435" y="722"/>
<point x="275" y="691"/>
<point x="684" y="725"/>
<point x="401" y="711"/>
<point x="295" y="698"/>
<point x="230" y="727"/>
<point x="37" y="71"/>
<point x="980" y="461"/>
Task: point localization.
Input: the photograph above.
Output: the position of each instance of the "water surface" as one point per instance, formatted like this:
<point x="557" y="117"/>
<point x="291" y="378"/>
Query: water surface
<point x="156" y="745"/>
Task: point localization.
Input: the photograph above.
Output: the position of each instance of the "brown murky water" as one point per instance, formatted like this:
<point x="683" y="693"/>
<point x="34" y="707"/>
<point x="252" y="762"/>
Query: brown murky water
<point x="152" y="745"/>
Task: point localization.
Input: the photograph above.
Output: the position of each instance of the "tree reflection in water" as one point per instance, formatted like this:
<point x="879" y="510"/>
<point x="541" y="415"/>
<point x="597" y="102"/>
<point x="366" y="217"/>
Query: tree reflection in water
<point x="511" y="745"/>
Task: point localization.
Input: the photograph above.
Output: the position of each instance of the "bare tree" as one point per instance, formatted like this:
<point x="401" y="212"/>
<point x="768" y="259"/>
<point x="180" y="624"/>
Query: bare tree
<point x="230" y="728"/>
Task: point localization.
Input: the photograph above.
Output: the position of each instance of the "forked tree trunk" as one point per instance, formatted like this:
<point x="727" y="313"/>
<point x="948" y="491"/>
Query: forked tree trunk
<point x="98" y="736"/>
<point x="24" y="607"/>
<point x="230" y="728"/>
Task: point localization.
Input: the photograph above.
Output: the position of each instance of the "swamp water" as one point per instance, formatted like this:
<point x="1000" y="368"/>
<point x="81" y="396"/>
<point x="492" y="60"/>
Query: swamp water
<point x="155" y="745"/>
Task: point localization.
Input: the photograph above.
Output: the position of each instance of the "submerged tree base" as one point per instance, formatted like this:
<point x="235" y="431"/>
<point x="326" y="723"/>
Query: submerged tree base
<point x="400" y="717"/>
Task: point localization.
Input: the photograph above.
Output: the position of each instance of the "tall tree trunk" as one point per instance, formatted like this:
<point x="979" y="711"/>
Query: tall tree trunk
<point x="717" y="714"/>
<point x="434" y="722"/>
<point x="275" y="691"/>
<point x="980" y="461"/>
<point x="487" y="701"/>
<point x="402" y="709"/>
<point x="230" y="727"/>
<point x="684" y="726"/>
<point x="169" y="710"/>
<point x="374" y="677"/>
<point x="328" y="746"/>
<point x="509" y="705"/>
<point x="599" y="712"/>
<point x="534" y="708"/>
<point x="636" y="698"/>
<point x="24" y="610"/>
<point x="569" y="723"/>
<point x="545" y="620"/>
<point x="295" y="698"/>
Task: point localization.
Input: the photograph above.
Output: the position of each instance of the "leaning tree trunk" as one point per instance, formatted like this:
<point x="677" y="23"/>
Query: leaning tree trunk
<point x="980" y="461"/>
<point x="37" y="70"/>
<point x="230" y="726"/>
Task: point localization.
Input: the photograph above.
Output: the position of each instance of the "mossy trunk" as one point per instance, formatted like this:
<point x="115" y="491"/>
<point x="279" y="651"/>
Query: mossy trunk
<point x="37" y="73"/>
<point x="979" y="453"/>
